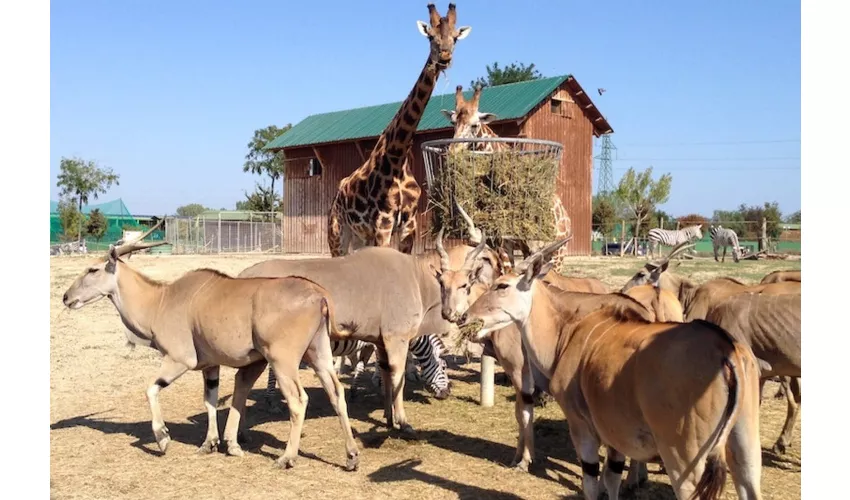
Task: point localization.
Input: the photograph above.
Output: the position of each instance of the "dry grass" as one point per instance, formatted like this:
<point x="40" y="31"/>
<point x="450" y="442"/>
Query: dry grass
<point x="501" y="191"/>
<point x="102" y="445"/>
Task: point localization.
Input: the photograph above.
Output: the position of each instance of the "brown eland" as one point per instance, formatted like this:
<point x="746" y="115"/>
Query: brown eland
<point x="388" y="298"/>
<point x="686" y="393"/>
<point x="206" y="319"/>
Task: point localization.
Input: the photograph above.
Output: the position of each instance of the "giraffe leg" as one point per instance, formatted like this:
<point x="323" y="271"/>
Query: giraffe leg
<point x="384" y="230"/>
<point x="334" y="230"/>
<point x="408" y="234"/>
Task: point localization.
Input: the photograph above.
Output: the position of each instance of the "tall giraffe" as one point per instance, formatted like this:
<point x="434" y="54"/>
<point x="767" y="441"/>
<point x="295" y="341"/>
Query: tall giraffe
<point x="382" y="196"/>
<point x="469" y="123"/>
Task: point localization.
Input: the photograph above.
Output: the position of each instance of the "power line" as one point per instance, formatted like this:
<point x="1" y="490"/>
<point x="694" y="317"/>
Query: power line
<point x="718" y="169"/>
<point x="766" y="158"/>
<point x="713" y="143"/>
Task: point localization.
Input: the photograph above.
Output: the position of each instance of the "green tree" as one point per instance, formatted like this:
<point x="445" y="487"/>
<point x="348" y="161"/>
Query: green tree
<point x="263" y="199"/>
<point x="734" y="220"/>
<point x="514" y="72"/>
<point x="769" y="211"/>
<point x="71" y="219"/>
<point x="604" y="214"/>
<point x="794" y="218"/>
<point x="191" y="210"/>
<point x="81" y="179"/>
<point x="96" y="225"/>
<point x="261" y="162"/>
<point x="654" y="220"/>
<point x="640" y="194"/>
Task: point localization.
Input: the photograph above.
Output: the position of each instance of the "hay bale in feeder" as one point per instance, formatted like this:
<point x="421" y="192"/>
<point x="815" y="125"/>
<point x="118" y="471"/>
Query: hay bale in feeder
<point x="507" y="193"/>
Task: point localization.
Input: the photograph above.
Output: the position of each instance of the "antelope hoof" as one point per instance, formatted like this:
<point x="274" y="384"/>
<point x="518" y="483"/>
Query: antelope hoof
<point x="162" y="438"/>
<point x="209" y="446"/>
<point x="780" y="447"/>
<point x="234" y="450"/>
<point x="352" y="463"/>
<point x="521" y="466"/>
<point x="285" y="462"/>
<point x="407" y="430"/>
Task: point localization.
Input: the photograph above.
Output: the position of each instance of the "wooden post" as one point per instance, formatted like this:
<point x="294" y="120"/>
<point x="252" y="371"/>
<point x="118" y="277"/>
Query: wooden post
<point x="219" y="232"/>
<point x="763" y="236"/>
<point x="622" y="237"/>
<point x="237" y="237"/>
<point x="488" y="366"/>
<point x="661" y="222"/>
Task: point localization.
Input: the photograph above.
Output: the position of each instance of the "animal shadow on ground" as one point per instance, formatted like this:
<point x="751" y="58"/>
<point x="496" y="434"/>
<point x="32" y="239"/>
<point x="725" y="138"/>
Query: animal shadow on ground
<point x="769" y="458"/>
<point x="405" y="470"/>
<point x="186" y="433"/>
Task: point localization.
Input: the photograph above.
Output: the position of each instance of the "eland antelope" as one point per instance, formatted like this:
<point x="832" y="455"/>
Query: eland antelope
<point x="206" y="319"/>
<point x="686" y="393"/>
<point x="388" y="298"/>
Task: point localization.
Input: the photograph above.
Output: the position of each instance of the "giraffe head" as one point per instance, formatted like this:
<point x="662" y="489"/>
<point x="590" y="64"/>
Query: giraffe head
<point x="442" y="34"/>
<point x="466" y="118"/>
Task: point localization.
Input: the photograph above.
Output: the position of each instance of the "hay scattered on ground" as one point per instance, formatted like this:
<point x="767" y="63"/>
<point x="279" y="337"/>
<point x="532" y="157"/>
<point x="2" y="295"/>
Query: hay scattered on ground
<point x="506" y="193"/>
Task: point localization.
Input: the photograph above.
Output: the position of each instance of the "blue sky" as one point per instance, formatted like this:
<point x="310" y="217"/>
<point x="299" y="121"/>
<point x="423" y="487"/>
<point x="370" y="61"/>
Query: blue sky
<point x="168" y="94"/>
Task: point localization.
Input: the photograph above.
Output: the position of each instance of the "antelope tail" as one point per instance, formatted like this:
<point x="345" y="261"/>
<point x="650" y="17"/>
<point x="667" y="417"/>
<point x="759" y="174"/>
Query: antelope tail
<point x="336" y="332"/>
<point x="713" y="479"/>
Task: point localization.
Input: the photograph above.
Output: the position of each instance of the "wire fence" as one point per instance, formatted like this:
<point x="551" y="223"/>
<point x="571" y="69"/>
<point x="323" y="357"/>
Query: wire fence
<point x="618" y="239"/>
<point x="225" y="232"/>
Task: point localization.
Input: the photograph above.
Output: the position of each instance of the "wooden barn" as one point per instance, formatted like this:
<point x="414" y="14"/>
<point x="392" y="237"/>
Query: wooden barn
<point x="322" y="149"/>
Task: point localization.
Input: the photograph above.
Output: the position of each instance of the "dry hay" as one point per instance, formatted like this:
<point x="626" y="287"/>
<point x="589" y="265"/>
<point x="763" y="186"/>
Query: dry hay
<point x="506" y="193"/>
<point x="102" y="447"/>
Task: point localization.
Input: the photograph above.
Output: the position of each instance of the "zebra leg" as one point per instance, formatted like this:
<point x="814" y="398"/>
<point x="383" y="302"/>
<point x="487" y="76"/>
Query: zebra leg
<point x="723" y="260"/>
<point x="272" y="401"/>
<point x="426" y="351"/>
<point x="363" y="355"/>
<point x="410" y="371"/>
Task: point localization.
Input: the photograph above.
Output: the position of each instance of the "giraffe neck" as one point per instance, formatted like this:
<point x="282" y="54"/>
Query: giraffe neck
<point x="397" y="138"/>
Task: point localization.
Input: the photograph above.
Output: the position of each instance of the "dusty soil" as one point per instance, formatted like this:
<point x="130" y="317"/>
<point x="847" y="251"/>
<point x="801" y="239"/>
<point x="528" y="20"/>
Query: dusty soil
<point x="102" y="445"/>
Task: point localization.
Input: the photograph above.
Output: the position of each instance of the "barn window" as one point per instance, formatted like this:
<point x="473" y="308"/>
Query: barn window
<point x="315" y="168"/>
<point x="559" y="107"/>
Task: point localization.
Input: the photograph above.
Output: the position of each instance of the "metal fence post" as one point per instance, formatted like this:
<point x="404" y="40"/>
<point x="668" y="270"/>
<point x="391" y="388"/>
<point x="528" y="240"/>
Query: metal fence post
<point x="219" y="232"/>
<point x="488" y="365"/>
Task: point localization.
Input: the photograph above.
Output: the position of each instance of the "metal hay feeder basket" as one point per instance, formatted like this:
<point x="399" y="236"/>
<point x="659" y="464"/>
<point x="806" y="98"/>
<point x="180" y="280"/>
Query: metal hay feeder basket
<point x="510" y="183"/>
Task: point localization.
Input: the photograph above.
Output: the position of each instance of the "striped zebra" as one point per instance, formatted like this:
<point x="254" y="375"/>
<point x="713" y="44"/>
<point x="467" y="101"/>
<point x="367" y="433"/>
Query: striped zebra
<point x="672" y="237"/>
<point x="723" y="237"/>
<point x="426" y="350"/>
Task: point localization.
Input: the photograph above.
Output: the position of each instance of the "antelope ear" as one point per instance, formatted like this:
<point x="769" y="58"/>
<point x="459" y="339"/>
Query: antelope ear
<point x="112" y="255"/>
<point x="423" y="28"/>
<point x="436" y="272"/>
<point x="536" y="269"/>
<point x="111" y="259"/>
<point x="463" y="32"/>
<point x="449" y="114"/>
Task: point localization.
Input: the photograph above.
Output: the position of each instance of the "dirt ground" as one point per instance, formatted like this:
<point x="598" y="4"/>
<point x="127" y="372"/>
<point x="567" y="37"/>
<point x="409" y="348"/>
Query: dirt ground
<point x="102" y="445"/>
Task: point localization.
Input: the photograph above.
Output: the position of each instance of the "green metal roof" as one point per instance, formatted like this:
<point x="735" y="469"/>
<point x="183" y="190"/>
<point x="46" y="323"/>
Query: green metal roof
<point x="508" y="102"/>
